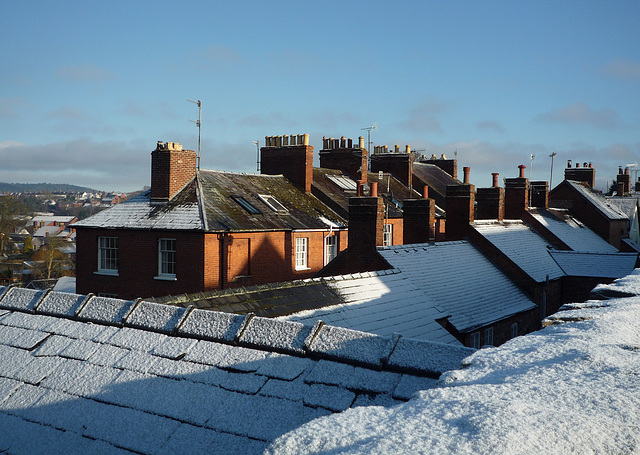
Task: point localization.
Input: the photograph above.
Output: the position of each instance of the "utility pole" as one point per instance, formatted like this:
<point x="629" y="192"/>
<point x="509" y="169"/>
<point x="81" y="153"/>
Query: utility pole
<point x="198" y="124"/>
<point x="373" y="126"/>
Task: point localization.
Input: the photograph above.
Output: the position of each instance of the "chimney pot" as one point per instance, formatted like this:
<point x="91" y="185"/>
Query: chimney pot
<point x="466" y="170"/>
<point x="396" y="148"/>
<point x="585" y="164"/>
<point x="305" y="140"/>
<point x="425" y="192"/>
<point x="285" y="140"/>
<point x="361" y="142"/>
<point x="626" y="170"/>
<point x="325" y="143"/>
<point x="620" y="170"/>
<point x="568" y="163"/>
<point x="522" y="167"/>
<point x="577" y="165"/>
<point x="374" y="189"/>
<point x="343" y="142"/>
<point x="350" y="143"/>
<point x="443" y="157"/>
<point x="495" y="179"/>
<point x="408" y="149"/>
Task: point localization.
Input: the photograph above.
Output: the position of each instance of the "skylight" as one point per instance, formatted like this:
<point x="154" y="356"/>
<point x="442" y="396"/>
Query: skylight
<point x="345" y="183"/>
<point x="272" y="203"/>
<point x="246" y="205"/>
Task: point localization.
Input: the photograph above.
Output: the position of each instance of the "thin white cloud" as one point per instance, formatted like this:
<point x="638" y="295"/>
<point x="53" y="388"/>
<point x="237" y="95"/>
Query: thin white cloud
<point x="84" y="73"/>
<point x="581" y="114"/>
<point x="217" y="59"/>
<point x="622" y="69"/>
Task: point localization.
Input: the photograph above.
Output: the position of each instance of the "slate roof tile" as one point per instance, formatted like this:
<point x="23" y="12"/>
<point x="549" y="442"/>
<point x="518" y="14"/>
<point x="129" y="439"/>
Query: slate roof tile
<point x="157" y="391"/>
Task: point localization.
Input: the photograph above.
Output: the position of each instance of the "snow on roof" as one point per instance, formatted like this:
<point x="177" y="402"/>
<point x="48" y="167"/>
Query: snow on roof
<point x="47" y="231"/>
<point x="381" y="303"/>
<point x="626" y="204"/>
<point x="523" y="246"/>
<point x="573" y="233"/>
<point x="460" y="281"/>
<point x="140" y="213"/>
<point x="84" y="374"/>
<point x="572" y="387"/>
<point x="608" y="209"/>
<point x="596" y="265"/>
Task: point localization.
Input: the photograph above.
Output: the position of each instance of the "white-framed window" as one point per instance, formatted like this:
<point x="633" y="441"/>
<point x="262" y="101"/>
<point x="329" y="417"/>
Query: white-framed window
<point x="475" y="340"/>
<point x="108" y="255"/>
<point x="488" y="336"/>
<point x="330" y="248"/>
<point x="514" y="330"/>
<point x="388" y="235"/>
<point x="302" y="253"/>
<point x="166" y="258"/>
<point x="273" y="203"/>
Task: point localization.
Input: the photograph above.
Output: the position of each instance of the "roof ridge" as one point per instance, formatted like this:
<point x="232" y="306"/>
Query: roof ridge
<point x="338" y="344"/>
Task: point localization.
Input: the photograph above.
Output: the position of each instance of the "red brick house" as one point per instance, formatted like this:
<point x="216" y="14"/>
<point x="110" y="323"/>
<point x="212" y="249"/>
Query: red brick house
<point x="197" y="230"/>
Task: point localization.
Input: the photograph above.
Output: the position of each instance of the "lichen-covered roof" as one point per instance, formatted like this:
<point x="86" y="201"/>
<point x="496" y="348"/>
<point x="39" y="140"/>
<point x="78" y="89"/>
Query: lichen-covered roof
<point x="435" y="178"/>
<point x="210" y="203"/>
<point x="82" y="374"/>
<point x="392" y="190"/>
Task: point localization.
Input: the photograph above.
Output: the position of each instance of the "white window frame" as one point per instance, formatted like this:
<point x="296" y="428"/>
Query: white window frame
<point x="108" y="255"/>
<point x="302" y="253"/>
<point x="488" y="336"/>
<point x="330" y="248"/>
<point x="387" y="235"/>
<point x="273" y="203"/>
<point x="474" y="340"/>
<point x="166" y="259"/>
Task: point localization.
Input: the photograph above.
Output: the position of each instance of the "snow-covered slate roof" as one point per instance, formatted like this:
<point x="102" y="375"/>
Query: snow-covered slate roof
<point x="181" y="213"/>
<point x="573" y="233"/>
<point x="609" y="210"/>
<point x="596" y="265"/>
<point x="572" y="387"/>
<point x="384" y="303"/>
<point x="82" y="374"/>
<point x="460" y="281"/>
<point x="210" y="203"/>
<point x="625" y="204"/>
<point x="523" y="246"/>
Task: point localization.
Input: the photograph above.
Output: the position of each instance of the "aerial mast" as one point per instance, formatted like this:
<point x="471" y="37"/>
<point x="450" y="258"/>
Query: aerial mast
<point x="198" y="124"/>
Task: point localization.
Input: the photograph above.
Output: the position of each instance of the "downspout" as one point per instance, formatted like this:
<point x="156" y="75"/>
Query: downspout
<point x="325" y="244"/>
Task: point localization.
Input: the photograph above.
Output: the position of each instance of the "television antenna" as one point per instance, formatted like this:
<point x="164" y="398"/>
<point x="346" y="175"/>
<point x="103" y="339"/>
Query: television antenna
<point x="257" y="144"/>
<point x="198" y="124"/>
<point x="373" y="127"/>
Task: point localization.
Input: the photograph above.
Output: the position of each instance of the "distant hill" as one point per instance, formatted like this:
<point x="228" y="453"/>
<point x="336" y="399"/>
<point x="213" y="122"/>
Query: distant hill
<point x="42" y="187"/>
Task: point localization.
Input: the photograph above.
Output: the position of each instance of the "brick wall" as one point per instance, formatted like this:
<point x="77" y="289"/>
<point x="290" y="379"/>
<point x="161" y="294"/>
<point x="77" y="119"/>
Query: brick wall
<point x="460" y="210"/>
<point x="400" y="165"/>
<point x="419" y="220"/>
<point x="248" y="259"/>
<point x="490" y="203"/>
<point x="295" y="162"/>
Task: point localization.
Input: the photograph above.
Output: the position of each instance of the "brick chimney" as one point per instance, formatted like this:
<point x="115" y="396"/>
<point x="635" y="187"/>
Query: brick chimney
<point x="539" y="193"/>
<point x="623" y="181"/>
<point x="291" y="156"/>
<point x="586" y="174"/>
<point x="460" y="210"/>
<point x="171" y="170"/>
<point x="419" y="220"/>
<point x="400" y="165"/>
<point x="366" y="224"/>
<point x="449" y="166"/>
<point x="343" y="155"/>
<point x="516" y="195"/>
<point x="490" y="201"/>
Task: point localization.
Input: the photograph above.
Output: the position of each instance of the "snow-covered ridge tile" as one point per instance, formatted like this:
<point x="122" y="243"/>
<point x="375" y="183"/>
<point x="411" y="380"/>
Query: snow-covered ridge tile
<point x="21" y="299"/>
<point x="350" y="346"/>
<point x="427" y="358"/>
<point x="61" y="304"/>
<point x="106" y="310"/>
<point x="283" y="336"/>
<point x="212" y="325"/>
<point x="155" y="316"/>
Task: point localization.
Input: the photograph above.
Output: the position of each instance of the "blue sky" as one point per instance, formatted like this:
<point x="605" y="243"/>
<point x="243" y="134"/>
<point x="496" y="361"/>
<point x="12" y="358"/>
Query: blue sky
<point x="87" y="88"/>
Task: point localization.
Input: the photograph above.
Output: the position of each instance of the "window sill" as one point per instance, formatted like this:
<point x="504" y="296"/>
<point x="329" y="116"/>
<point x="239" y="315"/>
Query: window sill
<point x="107" y="272"/>
<point x="165" y="278"/>
<point x="302" y="269"/>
